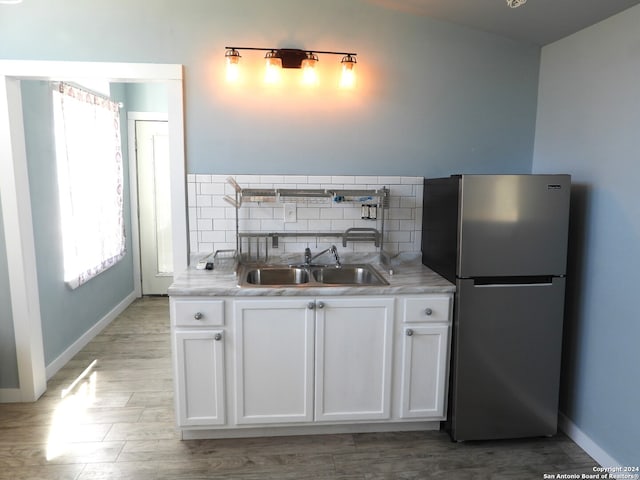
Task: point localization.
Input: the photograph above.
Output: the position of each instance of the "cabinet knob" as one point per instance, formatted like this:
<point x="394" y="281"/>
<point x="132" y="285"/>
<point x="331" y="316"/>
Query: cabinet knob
<point x="311" y="305"/>
<point x="198" y="316"/>
<point x="409" y="332"/>
<point x="217" y="337"/>
<point x="320" y="305"/>
<point x="428" y="311"/>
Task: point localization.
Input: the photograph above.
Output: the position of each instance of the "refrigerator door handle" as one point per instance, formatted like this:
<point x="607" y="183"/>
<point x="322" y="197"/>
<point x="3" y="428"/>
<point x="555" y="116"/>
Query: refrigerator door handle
<point x="513" y="281"/>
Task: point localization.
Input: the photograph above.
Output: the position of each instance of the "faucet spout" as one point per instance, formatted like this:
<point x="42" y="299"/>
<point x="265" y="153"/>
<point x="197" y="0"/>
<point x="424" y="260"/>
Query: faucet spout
<point x="332" y="249"/>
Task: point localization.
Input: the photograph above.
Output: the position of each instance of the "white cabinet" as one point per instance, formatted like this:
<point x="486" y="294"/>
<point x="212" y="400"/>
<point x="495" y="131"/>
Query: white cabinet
<point x="197" y="313"/>
<point x="274" y="360"/>
<point x="427" y="309"/>
<point x="354" y="340"/>
<point x="200" y="377"/>
<point x="199" y="361"/>
<point x="291" y="363"/>
<point x="275" y="366"/>
<point x="424" y="359"/>
<point x="425" y="342"/>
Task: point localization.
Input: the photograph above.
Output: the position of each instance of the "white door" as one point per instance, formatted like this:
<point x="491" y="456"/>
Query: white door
<point x="274" y="361"/>
<point x="424" y="371"/>
<point x="200" y="377"/>
<point x="353" y="358"/>
<point x="154" y="206"/>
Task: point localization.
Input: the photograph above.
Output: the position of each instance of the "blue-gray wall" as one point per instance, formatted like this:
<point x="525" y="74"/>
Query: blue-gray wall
<point x="66" y="314"/>
<point x="8" y="359"/>
<point x="589" y="126"/>
<point x="433" y="98"/>
<point x="145" y="97"/>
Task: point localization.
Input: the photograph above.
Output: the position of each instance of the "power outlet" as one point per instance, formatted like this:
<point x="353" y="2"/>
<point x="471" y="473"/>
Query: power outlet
<point x="290" y="214"/>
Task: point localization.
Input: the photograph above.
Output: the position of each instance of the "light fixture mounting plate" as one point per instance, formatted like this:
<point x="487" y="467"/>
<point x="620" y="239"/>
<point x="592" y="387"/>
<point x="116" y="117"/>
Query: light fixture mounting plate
<point x="291" y="57"/>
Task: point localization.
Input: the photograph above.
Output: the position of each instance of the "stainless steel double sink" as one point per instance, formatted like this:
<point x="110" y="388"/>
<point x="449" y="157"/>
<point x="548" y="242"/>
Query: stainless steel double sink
<point x="309" y="276"/>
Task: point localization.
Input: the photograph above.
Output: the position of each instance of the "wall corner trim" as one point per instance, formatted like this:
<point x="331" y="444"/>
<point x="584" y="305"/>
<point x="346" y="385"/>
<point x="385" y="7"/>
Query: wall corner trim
<point x="585" y="442"/>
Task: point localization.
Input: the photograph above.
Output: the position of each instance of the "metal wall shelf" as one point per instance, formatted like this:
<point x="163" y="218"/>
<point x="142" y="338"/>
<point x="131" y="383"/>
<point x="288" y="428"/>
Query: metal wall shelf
<point x="260" y="195"/>
<point x="379" y="197"/>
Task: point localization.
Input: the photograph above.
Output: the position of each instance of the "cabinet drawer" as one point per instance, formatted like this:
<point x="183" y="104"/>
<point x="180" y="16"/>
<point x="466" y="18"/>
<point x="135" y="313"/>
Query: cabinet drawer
<point x="197" y="313"/>
<point x="427" y="309"/>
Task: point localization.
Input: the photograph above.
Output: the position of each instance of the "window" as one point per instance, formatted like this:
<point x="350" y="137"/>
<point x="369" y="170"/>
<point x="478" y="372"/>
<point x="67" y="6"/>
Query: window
<point x="90" y="182"/>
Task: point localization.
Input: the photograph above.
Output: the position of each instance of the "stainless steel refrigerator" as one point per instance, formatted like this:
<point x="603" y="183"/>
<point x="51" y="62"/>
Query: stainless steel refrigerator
<point x="502" y="239"/>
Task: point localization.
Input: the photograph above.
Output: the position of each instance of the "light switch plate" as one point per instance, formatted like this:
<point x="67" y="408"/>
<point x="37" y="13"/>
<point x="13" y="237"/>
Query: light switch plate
<point x="290" y="212"/>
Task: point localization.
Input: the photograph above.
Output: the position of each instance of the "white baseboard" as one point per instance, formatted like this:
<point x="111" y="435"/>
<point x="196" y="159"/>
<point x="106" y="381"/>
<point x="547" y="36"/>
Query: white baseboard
<point x="10" y="395"/>
<point x="585" y="442"/>
<point x="89" y="335"/>
<point x="251" y="432"/>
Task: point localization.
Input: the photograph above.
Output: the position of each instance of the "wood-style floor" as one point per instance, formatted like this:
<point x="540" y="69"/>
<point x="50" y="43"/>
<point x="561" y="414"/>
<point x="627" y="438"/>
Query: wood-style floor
<point x="117" y="422"/>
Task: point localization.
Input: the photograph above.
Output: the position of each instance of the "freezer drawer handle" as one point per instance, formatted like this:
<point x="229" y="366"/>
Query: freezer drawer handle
<point x="513" y="281"/>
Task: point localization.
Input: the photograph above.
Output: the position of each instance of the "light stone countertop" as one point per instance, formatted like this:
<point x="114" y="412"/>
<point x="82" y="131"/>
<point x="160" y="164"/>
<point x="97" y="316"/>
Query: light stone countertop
<point x="409" y="277"/>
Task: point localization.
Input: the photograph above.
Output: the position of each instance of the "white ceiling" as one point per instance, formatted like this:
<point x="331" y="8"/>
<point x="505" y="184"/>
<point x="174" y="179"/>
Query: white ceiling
<point x="537" y="21"/>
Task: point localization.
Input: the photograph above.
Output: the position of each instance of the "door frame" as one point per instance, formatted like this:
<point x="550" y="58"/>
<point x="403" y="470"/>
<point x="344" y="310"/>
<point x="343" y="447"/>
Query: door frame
<point x="16" y="201"/>
<point x="132" y="118"/>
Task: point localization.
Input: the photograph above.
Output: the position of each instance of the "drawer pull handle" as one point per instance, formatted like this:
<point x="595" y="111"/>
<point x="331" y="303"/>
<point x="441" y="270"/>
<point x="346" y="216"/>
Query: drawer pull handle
<point x="217" y="337"/>
<point x="428" y="311"/>
<point x="311" y="305"/>
<point x="198" y="316"/>
<point x="320" y="305"/>
<point x="409" y="332"/>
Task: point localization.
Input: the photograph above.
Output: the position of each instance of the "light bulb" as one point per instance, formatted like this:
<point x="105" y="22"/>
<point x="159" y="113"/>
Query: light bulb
<point x="232" y="58"/>
<point x="309" y="72"/>
<point x="348" y="77"/>
<point x="273" y="67"/>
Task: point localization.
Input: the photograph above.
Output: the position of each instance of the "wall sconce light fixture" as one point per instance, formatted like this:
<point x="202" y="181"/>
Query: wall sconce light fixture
<point x="278" y="58"/>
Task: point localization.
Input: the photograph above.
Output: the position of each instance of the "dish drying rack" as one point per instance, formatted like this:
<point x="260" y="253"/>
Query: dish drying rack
<point x="259" y="244"/>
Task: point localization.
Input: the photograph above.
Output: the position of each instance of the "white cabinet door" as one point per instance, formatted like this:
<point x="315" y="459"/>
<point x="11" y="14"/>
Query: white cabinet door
<point x="200" y="377"/>
<point x="353" y="358"/>
<point x="424" y="371"/>
<point x="274" y="360"/>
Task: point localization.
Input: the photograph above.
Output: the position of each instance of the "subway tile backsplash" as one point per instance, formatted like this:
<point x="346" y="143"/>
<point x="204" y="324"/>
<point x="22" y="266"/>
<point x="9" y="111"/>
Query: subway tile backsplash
<point x="212" y="220"/>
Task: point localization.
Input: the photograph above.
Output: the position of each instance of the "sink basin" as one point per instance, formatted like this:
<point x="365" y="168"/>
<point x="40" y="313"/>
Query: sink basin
<point x="348" y="275"/>
<point x="313" y="276"/>
<point x="276" y="276"/>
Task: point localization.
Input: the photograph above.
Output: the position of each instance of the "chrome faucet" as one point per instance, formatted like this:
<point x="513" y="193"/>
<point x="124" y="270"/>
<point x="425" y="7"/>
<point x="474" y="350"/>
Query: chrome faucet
<point x="308" y="258"/>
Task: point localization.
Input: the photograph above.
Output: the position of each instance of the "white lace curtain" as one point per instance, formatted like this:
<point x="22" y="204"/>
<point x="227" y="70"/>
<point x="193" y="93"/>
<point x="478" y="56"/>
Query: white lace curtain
<point x="90" y="182"/>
